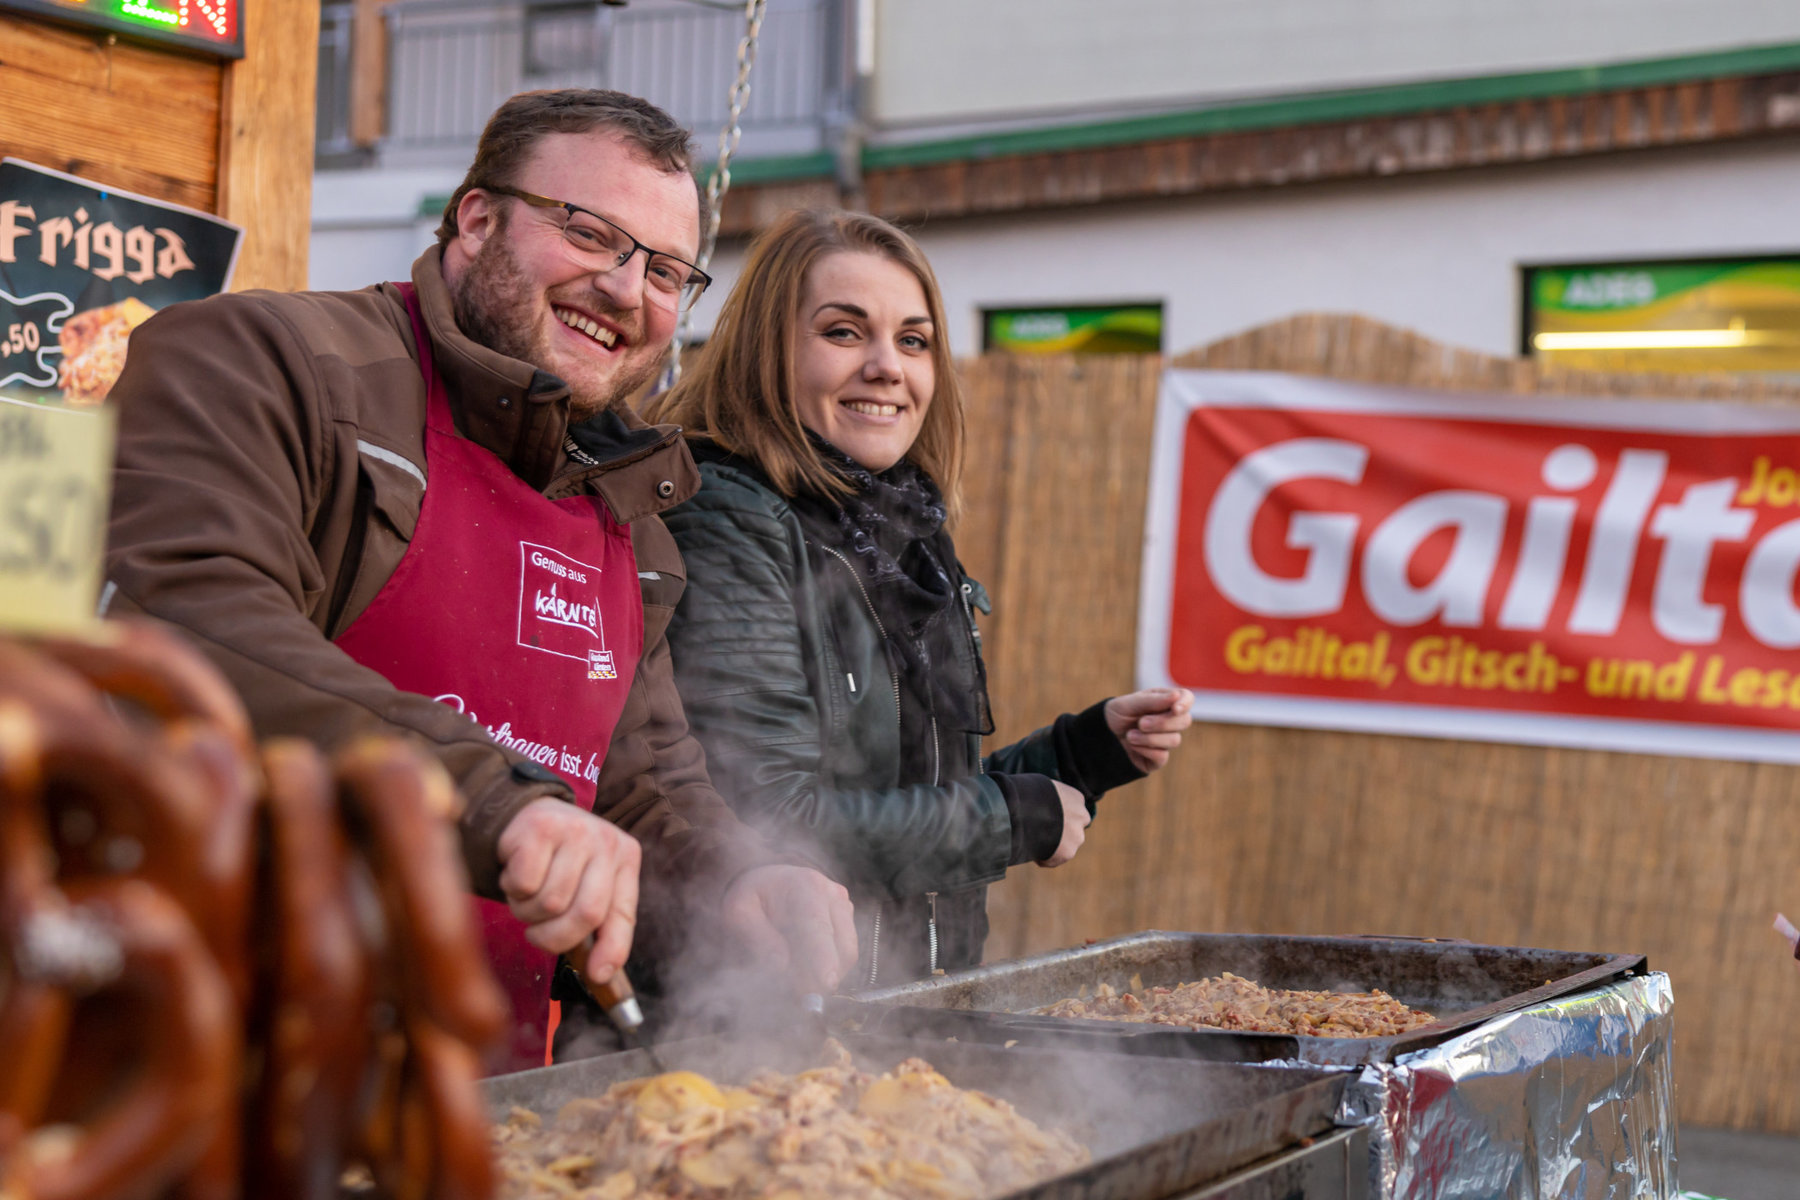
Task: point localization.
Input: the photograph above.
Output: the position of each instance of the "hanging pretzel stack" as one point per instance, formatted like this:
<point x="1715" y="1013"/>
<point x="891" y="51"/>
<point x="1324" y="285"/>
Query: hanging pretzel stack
<point x="225" y="970"/>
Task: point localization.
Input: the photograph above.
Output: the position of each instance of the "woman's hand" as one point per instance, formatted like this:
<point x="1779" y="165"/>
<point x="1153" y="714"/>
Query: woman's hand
<point x="1075" y="823"/>
<point x="1149" y="723"/>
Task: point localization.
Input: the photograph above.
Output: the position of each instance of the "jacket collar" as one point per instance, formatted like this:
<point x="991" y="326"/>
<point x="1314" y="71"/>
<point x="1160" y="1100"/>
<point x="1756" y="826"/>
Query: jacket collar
<point x="636" y="467"/>
<point x="521" y="414"/>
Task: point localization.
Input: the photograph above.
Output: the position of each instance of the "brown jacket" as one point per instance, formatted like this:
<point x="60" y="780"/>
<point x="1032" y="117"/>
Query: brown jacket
<point x="271" y="468"/>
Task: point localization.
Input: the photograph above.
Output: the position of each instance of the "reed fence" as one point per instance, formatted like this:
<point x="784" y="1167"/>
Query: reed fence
<point x="1272" y="830"/>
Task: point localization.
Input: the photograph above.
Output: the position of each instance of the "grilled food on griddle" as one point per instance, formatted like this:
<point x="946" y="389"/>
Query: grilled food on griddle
<point x="832" y="1131"/>
<point x="1230" y="1001"/>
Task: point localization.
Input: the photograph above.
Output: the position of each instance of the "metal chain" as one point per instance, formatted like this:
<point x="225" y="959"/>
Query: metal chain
<point x="720" y="183"/>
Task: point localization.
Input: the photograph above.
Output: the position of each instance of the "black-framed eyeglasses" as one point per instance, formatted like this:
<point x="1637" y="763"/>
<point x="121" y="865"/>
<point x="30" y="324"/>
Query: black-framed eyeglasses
<point x="598" y="245"/>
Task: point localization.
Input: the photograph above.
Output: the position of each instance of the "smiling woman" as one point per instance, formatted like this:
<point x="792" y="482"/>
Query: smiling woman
<point x="863" y="372"/>
<point x="825" y="646"/>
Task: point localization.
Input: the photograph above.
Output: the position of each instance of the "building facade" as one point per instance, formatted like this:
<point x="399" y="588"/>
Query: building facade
<point x="1192" y="167"/>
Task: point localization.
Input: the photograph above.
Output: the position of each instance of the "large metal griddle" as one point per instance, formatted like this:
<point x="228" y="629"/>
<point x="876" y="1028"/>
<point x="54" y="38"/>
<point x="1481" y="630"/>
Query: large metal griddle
<point x="1461" y="983"/>
<point x="1333" y="1168"/>
<point x="1157" y="1128"/>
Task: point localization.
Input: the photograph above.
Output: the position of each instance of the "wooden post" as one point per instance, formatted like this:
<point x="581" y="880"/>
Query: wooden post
<point x="368" y="73"/>
<point x="266" y="142"/>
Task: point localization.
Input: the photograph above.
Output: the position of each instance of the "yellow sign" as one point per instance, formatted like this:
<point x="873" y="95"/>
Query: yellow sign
<point x="55" y="474"/>
<point x="1729" y="315"/>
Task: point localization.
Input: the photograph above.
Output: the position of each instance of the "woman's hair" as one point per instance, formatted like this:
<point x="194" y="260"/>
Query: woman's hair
<point x="740" y="390"/>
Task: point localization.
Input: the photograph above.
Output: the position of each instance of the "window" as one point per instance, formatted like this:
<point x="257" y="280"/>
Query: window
<point x="1075" y="329"/>
<point x="563" y="38"/>
<point x="1726" y="314"/>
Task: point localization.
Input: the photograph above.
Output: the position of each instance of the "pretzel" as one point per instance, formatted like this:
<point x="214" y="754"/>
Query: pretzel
<point x="443" y="1084"/>
<point x="144" y="661"/>
<point x="400" y="806"/>
<point x="227" y="851"/>
<point x="29" y="676"/>
<point x="312" y="1002"/>
<point x="375" y="1143"/>
<point x="195" y="836"/>
<point x="129" y="906"/>
<point x="34" y="1013"/>
<point x="139" y="1140"/>
<point x="176" y="810"/>
<point x="117" y="801"/>
<point x="227" y="859"/>
<point x="424" y="1132"/>
<point x="430" y="1138"/>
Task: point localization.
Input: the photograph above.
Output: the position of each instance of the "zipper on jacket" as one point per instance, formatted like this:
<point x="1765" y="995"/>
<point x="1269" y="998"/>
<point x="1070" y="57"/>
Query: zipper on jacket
<point x="931" y="941"/>
<point x="969" y="614"/>
<point x="882" y="630"/>
<point x="931" y="934"/>
<point x="875" y="946"/>
<point x="352" y="560"/>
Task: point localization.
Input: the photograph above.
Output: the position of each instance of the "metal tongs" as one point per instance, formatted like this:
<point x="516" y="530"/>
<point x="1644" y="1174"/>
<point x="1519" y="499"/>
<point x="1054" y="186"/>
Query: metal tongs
<point x="619" y="1000"/>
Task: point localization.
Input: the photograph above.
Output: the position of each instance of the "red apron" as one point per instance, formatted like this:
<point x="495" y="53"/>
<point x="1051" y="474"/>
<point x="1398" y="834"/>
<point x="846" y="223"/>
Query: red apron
<point x="523" y="613"/>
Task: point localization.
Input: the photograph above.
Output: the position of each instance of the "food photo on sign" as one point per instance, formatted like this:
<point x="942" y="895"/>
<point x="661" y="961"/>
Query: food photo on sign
<point x="1608" y="574"/>
<point x="81" y="266"/>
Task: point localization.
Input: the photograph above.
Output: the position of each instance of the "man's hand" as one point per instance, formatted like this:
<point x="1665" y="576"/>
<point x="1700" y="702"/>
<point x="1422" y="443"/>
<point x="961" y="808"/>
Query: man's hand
<point x="796" y="921"/>
<point x="1075" y="822"/>
<point x="566" y="874"/>
<point x="1149" y="723"/>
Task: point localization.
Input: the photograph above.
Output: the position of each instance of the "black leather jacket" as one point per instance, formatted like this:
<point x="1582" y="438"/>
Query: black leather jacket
<point x="780" y="659"/>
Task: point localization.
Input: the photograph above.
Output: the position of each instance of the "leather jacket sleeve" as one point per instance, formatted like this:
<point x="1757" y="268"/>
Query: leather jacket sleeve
<point x="1077" y="749"/>
<point x="745" y="662"/>
<point x="654" y="783"/>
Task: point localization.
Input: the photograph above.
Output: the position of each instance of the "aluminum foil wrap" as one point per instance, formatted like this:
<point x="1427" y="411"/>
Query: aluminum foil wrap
<point x="1571" y="1100"/>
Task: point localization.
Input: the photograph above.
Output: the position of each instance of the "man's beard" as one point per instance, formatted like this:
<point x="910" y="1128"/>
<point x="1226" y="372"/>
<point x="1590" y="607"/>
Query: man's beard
<point x="494" y="305"/>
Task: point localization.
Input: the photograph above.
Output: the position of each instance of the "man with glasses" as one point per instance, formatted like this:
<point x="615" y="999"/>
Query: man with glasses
<point x="427" y="508"/>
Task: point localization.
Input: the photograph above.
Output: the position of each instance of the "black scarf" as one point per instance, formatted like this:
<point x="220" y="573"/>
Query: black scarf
<point x="892" y="525"/>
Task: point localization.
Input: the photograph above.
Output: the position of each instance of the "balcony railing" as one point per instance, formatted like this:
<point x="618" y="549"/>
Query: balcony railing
<point x="451" y="62"/>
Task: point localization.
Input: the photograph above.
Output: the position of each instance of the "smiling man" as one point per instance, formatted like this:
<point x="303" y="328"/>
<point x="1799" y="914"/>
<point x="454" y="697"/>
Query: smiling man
<point x="424" y="508"/>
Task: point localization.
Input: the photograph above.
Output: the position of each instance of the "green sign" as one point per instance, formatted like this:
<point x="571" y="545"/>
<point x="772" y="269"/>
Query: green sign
<point x="1617" y="289"/>
<point x="1722" y="315"/>
<point x="211" y="27"/>
<point x="1115" y="329"/>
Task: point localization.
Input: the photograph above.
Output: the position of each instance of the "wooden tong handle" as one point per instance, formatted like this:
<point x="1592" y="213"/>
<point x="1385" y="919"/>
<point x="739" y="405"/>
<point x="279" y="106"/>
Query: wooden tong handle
<point x="616" y="995"/>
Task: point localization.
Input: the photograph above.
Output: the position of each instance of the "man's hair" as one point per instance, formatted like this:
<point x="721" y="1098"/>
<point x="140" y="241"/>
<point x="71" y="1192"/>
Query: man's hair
<point x="516" y="126"/>
<point x="740" y="390"/>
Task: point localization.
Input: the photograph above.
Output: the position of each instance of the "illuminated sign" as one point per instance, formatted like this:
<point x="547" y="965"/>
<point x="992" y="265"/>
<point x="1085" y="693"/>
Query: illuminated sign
<point x="1733" y="314"/>
<point x="1108" y="329"/>
<point x="208" y="26"/>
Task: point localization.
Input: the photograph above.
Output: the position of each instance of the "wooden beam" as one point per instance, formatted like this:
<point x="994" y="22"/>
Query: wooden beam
<point x="368" y="73"/>
<point x="1557" y="127"/>
<point x="266" y="142"/>
<point x="126" y="116"/>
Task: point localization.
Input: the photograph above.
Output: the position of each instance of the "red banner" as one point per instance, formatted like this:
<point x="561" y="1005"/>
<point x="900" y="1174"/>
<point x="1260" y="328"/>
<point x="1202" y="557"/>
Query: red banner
<point x="1576" y="572"/>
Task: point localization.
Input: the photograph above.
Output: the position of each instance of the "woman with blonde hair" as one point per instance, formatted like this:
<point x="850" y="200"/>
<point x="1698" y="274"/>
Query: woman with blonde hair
<point x="825" y="646"/>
